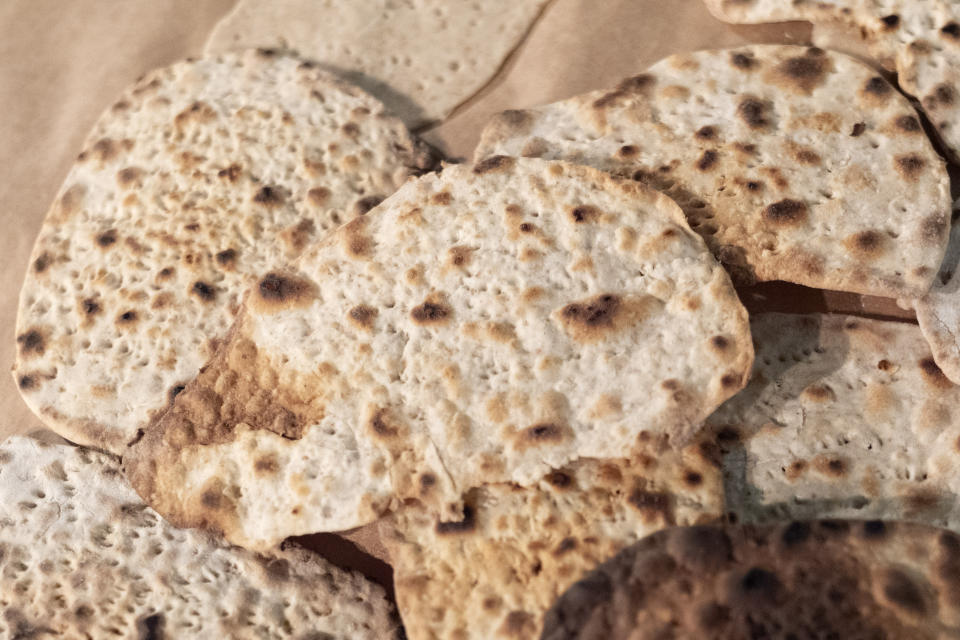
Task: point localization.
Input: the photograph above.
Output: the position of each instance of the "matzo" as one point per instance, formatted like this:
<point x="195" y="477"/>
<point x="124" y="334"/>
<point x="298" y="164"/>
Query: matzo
<point x="202" y="174"/>
<point x="82" y="557"/>
<point x="496" y="573"/>
<point x="824" y="579"/>
<point x="422" y="58"/>
<point x="919" y="39"/>
<point x="843" y="417"/>
<point x="793" y="163"/>
<point x="487" y="324"/>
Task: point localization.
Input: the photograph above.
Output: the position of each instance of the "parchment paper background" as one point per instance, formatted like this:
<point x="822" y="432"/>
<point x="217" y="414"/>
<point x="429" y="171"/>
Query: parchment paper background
<point x="63" y="61"/>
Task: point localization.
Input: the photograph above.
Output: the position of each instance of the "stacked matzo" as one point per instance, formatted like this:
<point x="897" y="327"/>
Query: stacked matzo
<point x="510" y="359"/>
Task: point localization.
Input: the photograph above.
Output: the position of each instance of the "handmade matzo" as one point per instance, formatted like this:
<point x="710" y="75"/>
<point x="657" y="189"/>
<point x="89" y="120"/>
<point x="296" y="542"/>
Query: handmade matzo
<point x="843" y="417"/>
<point x="823" y="579"/>
<point x="486" y="324"/>
<point x="202" y="176"/>
<point x="920" y="39"/>
<point x="496" y="573"/>
<point x="793" y="163"/>
<point x="422" y="58"/>
<point x="82" y="557"/>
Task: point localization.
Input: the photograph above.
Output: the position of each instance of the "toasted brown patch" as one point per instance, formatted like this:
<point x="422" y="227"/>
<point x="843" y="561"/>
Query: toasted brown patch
<point x="442" y="199"/>
<point x="743" y="61"/>
<point x="604" y="315"/>
<point x="876" y="90"/>
<point x="106" y="239"/>
<point x="427" y="482"/>
<point x="129" y="176"/>
<point x="32" y="343"/>
<point x="459" y="256"/>
<point x="806" y="155"/>
<point x="269" y="196"/>
<point x="518" y="624"/>
<point x="354" y="241"/>
<point x="277" y="291"/>
<point x="708" y="160"/>
<point x="90" y="307"/>
<point x="494" y="164"/>
<point x="197" y="112"/>
<point x="516" y="119"/>
<point x="266" y="465"/>
<point x="933" y="375"/>
<point x="544" y="433"/>
<point x="819" y="393"/>
<point x="383" y="426"/>
<point x="831" y="466"/>
<point x="431" y="312"/>
<point x="933" y="230"/>
<point x="226" y="258"/>
<point x="127" y="318"/>
<point x="318" y="196"/>
<point x="866" y="244"/>
<point x="692" y="478"/>
<point x="720" y="343"/>
<point x="42" y="262"/>
<point x="753" y="112"/>
<point x="786" y="213"/>
<point x="802" y="73"/>
<point x="731" y="380"/>
<point x="204" y="291"/>
<point x="105" y="150"/>
<point x="364" y="205"/>
<point x="628" y="151"/>
<point x="908" y="124"/>
<point x="858" y="129"/>
<point x="795" y="469"/>
<point x="910" y="165"/>
<point x="903" y="593"/>
<point x="297" y="236"/>
<point x="637" y="85"/>
<point x="585" y="213"/>
<point x="363" y="316"/>
<point x="559" y="480"/>
<point x="951" y="31"/>
<point x="231" y="173"/>
<point x="652" y="505"/>
<point x="708" y="132"/>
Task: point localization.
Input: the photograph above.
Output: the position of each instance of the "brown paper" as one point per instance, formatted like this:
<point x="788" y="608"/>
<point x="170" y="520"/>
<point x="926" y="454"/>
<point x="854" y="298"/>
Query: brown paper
<point x="63" y="62"/>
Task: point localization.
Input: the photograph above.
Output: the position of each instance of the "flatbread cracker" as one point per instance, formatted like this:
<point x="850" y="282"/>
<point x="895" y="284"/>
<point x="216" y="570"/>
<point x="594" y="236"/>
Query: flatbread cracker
<point x="495" y="574"/>
<point x="486" y="324"/>
<point x="822" y="579"/>
<point x="82" y="557"/>
<point x="919" y="39"/>
<point x="844" y="417"/>
<point x="793" y="163"/>
<point x="422" y="58"/>
<point x="200" y="177"/>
